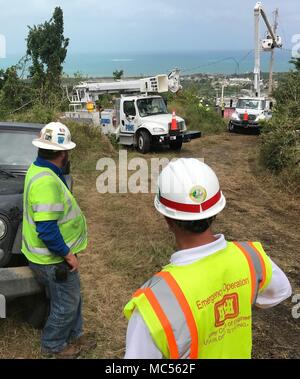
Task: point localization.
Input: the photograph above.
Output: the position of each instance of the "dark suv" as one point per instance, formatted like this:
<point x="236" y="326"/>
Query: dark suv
<point x="16" y="280"/>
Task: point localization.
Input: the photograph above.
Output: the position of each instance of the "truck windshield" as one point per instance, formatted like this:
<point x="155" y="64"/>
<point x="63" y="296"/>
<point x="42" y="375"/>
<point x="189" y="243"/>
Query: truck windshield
<point x="152" y="106"/>
<point x="16" y="149"/>
<point x="250" y="104"/>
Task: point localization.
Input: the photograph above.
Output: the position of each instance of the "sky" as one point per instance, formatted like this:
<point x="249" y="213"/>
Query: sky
<point x="140" y="26"/>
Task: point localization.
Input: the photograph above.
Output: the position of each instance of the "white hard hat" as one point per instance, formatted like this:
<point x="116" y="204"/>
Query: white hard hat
<point x="56" y="137"/>
<point x="189" y="190"/>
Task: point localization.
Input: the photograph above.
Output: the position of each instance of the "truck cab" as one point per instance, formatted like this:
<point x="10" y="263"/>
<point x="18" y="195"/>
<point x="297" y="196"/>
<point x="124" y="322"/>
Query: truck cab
<point x="143" y="121"/>
<point x="250" y="113"/>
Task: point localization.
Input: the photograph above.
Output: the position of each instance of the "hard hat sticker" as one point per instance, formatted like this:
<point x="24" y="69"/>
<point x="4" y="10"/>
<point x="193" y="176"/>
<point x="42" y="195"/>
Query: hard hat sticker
<point x="198" y="195"/>
<point x="61" y="140"/>
<point x="48" y="135"/>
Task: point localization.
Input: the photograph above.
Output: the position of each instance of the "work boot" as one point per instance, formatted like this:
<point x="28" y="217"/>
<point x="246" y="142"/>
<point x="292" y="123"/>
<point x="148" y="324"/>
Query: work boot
<point x="70" y="352"/>
<point x="85" y="343"/>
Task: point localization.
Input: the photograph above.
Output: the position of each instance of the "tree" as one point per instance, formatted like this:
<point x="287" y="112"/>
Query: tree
<point x="296" y="62"/>
<point x="14" y="92"/>
<point x="118" y="74"/>
<point x="287" y="95"/>
<point x="47" y="48"/>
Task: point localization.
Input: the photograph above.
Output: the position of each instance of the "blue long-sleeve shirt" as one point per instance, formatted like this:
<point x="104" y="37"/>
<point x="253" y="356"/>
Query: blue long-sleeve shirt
<point x="48" y="231"/>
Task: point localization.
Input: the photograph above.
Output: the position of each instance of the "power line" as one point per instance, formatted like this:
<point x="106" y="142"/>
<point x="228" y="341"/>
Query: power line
<point x="236" y="61"/>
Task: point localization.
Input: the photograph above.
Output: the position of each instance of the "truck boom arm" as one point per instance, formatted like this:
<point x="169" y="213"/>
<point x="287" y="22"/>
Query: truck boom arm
<point x="90" y="91"/>
<point x="258" y="12"/>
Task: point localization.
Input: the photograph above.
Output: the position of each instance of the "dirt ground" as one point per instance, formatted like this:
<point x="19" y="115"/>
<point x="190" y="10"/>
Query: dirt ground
<point x="129" y="242"/>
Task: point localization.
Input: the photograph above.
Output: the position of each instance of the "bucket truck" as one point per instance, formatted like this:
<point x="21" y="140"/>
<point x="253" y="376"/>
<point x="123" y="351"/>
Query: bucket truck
<point x="252" y="112"/>
<point x="140" y="117"/>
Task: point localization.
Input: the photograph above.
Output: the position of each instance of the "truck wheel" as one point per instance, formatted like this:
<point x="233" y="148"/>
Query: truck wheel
<point x="176" y="145"/>
<point x="231" y="128"/>
<point x="143" y="142"/>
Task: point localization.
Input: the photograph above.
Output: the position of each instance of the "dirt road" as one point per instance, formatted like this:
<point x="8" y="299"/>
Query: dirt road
<point x="129" y="242"/>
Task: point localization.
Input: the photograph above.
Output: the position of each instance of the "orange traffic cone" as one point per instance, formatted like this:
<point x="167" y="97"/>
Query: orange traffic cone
<point x="174" y="125"/>
<point x="246" y="116"/>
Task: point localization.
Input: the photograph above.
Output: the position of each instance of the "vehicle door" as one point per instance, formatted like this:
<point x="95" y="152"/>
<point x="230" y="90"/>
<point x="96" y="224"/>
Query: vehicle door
<point x="129" y="119"/>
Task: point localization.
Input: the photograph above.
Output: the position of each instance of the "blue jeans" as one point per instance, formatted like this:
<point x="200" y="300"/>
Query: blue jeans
<point x="65" y="323"/>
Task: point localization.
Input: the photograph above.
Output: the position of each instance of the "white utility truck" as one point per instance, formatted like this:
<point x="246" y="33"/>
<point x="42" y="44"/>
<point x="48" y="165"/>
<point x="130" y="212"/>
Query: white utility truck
<point x="252" y="112"/>
<point x="140" y="117"/>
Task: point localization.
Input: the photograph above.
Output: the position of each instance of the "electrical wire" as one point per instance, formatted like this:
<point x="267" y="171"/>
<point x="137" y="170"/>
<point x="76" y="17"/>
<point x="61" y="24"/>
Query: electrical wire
<point x="237" y="62"/>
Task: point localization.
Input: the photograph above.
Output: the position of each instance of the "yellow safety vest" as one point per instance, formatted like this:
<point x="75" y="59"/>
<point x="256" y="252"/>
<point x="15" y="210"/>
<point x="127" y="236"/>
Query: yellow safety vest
<point x="204" y="310"/>
<point x="46" y="198"/>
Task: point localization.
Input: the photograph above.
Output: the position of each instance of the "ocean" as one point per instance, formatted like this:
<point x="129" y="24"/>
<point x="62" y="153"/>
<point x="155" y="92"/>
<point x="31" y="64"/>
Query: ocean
<point x="140" y="64"/>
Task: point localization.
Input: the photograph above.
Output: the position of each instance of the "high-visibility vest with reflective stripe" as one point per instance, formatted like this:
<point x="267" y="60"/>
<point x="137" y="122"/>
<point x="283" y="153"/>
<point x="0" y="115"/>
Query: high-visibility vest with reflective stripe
<point x="46" y="198"/>
<point x="204" y="310"/>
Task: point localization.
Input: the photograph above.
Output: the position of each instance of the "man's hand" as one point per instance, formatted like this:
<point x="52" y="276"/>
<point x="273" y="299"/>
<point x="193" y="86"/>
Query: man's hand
<point x="72" y="261"/>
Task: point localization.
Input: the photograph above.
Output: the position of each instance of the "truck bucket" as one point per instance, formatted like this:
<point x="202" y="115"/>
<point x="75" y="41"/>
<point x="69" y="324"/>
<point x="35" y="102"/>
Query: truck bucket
<point x="157" y="84"/>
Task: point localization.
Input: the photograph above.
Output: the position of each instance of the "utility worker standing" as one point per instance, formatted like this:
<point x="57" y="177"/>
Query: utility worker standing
<point x="223" y="109"/>
<point x="54" y="232"/>
<point x="200" y="305"/>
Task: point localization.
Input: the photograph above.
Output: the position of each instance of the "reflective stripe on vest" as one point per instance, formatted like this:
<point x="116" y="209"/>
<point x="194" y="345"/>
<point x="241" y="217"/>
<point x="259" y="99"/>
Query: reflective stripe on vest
<point x="47" y="253"/>
<point x="48" y="208"/>
<point x="173" y="308"/>
<point x="70" y="216"/>
<point x="256" y="266"/>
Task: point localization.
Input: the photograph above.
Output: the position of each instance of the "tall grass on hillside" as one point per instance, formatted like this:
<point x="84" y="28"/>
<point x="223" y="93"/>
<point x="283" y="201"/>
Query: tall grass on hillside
<point x="91" y="146"/>
<point x="187" y="105"/>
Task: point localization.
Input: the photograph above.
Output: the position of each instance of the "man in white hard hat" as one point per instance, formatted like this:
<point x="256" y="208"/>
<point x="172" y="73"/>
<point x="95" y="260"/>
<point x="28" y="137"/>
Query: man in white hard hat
<point x="54" y="233"/>
<point x="200" y="305"/>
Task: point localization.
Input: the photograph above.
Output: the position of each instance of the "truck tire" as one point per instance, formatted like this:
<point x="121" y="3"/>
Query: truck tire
<point x="176" y="145"/>
<point x="144" y="142"/>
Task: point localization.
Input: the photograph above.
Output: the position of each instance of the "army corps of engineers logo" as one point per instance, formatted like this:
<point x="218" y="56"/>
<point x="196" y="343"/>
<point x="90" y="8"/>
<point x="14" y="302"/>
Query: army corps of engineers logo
<point x="226" y="309"/>
<point x="198" y="194"/>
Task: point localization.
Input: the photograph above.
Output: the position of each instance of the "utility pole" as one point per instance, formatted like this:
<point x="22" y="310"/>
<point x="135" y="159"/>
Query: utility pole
<point x="276" y="13"/>
<point x="257" y="13"/>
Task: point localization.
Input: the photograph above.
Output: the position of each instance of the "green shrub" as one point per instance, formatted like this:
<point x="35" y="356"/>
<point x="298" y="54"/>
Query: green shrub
<point x="37" y="114"/>
<point x="280" y="149"/>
